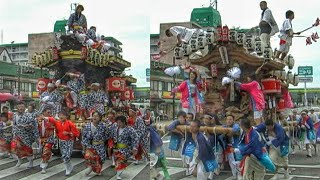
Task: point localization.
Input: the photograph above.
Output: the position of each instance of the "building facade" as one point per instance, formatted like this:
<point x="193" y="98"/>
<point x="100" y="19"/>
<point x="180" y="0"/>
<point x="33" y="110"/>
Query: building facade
<point x="18" y="52"/>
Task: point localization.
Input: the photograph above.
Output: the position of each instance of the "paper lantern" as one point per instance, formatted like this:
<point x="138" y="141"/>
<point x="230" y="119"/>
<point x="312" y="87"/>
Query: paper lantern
<point x="125" y="95"/>
<point x="232" y="35"/>
<point x="178" y="52"/>
<point x="219" y="35"/>
<point x="42" y="84"/>
<point x="241" y="38"/>
<point x="115" y="84"/>
<point x="225" y="34"/>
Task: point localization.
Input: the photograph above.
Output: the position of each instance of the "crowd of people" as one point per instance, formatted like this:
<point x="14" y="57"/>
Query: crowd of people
<point x="108" y="135"/>
<point x="248" y="149"/>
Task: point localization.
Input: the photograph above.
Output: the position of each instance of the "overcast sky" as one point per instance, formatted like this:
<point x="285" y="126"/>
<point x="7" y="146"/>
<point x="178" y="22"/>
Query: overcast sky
<point x="126" y="21"/>
<point x="246" y="14"/>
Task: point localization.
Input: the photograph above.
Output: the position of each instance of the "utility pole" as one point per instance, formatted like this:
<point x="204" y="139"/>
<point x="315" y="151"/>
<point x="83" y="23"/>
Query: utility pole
<point x="19" y="78"/>
<point x="305" y="92"/>
<point x="174" y="85"/>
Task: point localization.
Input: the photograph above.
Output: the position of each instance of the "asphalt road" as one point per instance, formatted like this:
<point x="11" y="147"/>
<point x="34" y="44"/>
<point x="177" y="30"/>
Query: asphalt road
<point x="305" y="168"/>
<point x="55" y="170"/>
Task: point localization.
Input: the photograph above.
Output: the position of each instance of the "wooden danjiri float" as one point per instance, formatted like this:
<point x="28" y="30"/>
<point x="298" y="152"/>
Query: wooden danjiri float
<point x="71" y="57"/>
<point x="228" y="49"/>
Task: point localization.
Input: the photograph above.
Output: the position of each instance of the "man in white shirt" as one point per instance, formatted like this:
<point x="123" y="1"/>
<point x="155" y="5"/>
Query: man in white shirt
<point x="183" y="34"/>
<point x="286" y="35"/>
<point x="268" y="26"/>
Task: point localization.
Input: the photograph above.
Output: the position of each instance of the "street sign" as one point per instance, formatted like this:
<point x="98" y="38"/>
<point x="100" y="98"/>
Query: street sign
<point x="306" y="79"/>
<point x="148" y="72"/>
<point x="305" y="70"/>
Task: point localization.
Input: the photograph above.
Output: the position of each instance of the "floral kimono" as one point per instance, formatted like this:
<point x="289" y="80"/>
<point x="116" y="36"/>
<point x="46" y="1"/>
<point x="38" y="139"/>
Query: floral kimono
<point x="96" y="100"/>
<point x="54" y="102"/>
<point x="46" y="130"/>
<point x="5" y="136"/>
<point x="142" y="132"/>
<point x="126" y="139"/>
<point x="93" y="140"/>
<point x="191" y="95"/>
<point x="23" y="137"/>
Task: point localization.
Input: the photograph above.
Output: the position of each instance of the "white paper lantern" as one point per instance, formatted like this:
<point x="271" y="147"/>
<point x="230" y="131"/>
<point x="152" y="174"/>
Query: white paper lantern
<point x="232" y="35"/>
<point x="240" y="38"/>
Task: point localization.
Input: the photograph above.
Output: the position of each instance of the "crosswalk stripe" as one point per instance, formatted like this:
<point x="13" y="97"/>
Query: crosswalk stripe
<point x="81" y="175"/>
<point x="13" y="170"/>
<point x="52" y="170"/>
<point x="131" y="171"/>
<point x="6" y="160"/>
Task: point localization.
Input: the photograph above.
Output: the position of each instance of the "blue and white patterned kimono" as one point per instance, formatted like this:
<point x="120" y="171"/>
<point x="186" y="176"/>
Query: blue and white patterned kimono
<point x="142" y="132"/>
<point x="28" y="135"/>
<point x="92" y="137"/>
<point x="54" y="102"/>
<point x="77" y="21"/>
<point x="96" y="99"/>
<point x="77" y="87"/>
<point x="128" y="137"/>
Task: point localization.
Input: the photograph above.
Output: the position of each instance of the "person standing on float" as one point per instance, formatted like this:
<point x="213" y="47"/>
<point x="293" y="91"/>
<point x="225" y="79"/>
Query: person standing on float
<point x="257" y="101"/>
<point x="191" y="93"/>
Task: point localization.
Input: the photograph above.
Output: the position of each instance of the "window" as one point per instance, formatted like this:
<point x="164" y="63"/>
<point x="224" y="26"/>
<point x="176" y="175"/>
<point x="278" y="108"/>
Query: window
<point x="151" y="85"/>
<point x="14" y="49"/>
<point x="160" y="86"/>
<point x="169" y="86"/>
<point x="4" y="58"/>
<point x="13" y="57"/>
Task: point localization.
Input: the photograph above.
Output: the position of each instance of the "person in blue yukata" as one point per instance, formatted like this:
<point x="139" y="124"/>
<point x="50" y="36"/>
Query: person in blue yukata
<point x="278" y="143"/>
<point x="177" y="137"/>
<point x="215" y="141"/>
<point x="307" y="134"/>
<point x="232" y="141"/>
<point x="255" y="159"/>
<point x="200" y="153"/>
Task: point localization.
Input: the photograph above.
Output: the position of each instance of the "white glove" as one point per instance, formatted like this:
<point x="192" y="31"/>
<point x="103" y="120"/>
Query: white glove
<point x="236" y="150"/>
<point x="269" y="143"/>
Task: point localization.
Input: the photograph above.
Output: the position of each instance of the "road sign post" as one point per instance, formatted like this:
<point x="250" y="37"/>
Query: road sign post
<point x="305" y="71"/>
<point x="148" y="74"/>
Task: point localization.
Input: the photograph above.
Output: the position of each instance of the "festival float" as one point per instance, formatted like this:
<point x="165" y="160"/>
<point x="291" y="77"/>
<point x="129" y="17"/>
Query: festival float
<point x="232" y="54"/>
<point x="75" y="55"/>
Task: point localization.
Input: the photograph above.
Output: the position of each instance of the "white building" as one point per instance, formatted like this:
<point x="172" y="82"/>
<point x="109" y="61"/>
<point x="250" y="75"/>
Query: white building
<point x="4" y="55"/>
<point x="18" y="52"/>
